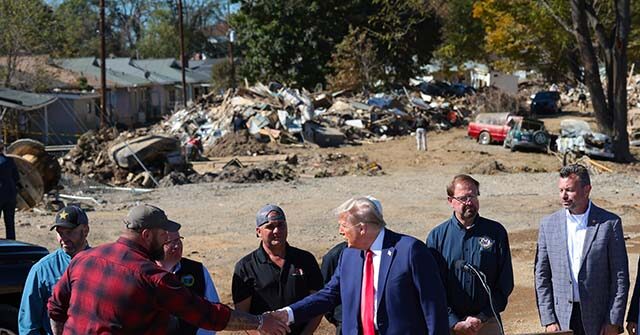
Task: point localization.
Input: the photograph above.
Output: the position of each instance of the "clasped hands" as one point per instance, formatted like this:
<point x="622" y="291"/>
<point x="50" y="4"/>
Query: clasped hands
<point x="275" y="323"/>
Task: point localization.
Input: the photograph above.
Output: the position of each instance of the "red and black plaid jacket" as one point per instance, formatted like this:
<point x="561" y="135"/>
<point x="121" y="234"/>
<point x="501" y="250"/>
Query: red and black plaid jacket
<point x="116" y="289"/>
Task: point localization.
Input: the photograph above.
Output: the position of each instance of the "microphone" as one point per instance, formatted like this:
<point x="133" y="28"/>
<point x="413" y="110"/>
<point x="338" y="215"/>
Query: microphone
<point x="465" y="266"/>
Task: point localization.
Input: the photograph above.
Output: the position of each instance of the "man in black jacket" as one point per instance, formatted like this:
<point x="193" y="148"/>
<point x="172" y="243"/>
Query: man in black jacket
<point x="9" y="178"/>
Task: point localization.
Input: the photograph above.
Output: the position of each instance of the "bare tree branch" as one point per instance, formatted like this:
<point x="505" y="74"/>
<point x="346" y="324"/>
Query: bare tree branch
<point x="555" y="16"/>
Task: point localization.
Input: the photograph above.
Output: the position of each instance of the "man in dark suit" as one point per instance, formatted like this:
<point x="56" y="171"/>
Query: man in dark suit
<point x="581" y="270"/>
<point x="407" y="297"/>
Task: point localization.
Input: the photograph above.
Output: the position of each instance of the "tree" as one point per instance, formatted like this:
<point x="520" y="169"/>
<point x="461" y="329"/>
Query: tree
<point x="160" y="38"/>
<point x="23" y="30"/>
<point x="462" y="33"/>
<point x="77" y="29"/>
<point x="611" y="42"/>
<point x="288" y="40"/>
<point x="355" y="63"/>
<point x="522" y="34"/>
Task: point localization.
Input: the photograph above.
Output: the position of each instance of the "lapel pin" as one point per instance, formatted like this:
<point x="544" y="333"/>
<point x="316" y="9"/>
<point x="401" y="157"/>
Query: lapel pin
<point x="389" y="252"/>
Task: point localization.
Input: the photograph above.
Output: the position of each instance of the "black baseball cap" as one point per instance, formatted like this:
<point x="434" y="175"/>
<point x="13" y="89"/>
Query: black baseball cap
<point x="70" y="217"/>
<point x="148" y="217"/>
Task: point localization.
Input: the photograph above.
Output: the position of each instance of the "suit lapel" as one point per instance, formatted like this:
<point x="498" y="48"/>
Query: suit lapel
<point x="563" y="239"/>
<point x="592" y="229"/>
<point x="388" y="252"/>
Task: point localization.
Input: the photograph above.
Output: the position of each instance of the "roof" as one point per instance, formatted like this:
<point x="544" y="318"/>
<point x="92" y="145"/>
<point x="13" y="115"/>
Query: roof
<point x="169" y="69"/>
<point x="25" y="101"/>
<point x="119" y="72"/>
<point x="129" y="72"/>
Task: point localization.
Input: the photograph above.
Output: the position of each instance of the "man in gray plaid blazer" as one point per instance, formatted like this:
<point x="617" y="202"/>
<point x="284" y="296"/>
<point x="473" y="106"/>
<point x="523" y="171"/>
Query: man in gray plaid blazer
<point x="581" y="270"/>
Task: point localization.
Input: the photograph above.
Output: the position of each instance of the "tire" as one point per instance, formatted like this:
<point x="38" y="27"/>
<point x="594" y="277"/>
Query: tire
<point x="540" y="138"/>
<point x="484" y="138"/>
<point x="8" y="320"/>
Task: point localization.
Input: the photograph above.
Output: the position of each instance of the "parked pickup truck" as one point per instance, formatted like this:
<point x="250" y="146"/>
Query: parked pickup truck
<point x="490" y="127"/>
<point x="16" y="259"/>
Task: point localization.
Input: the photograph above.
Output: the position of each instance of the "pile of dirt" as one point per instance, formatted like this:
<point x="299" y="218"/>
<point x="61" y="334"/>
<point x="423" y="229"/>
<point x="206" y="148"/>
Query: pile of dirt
<point x="338" y="164"/>
<point x="492" y="167"/>
<point x="239" y="144"/>
<point x="255" y="174"/>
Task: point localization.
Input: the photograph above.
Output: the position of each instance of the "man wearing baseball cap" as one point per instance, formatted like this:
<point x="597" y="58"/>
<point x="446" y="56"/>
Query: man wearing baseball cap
<point x="276" y="274"/>
<point x="72" y="227"/>
<point x="117" y="288"/>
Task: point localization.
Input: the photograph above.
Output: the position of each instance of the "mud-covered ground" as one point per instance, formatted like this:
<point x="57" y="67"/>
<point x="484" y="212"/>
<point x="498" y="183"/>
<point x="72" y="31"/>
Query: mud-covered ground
<point x="218" y="218"/>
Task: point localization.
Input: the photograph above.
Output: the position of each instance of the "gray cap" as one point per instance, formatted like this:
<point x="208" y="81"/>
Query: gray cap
<point x="70" y="217"/>
<point x="262" y="216"/>
<point x="148" y="217"/>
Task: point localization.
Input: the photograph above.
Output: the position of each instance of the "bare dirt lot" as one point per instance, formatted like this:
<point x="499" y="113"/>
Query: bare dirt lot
<point x="218" y="218"/>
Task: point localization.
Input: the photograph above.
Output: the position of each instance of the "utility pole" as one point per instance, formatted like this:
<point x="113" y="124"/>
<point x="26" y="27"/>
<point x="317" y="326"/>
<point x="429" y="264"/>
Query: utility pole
<point x="232" y="37"/>
<point x="103" y="71"/>
<point x="183" y="61"/>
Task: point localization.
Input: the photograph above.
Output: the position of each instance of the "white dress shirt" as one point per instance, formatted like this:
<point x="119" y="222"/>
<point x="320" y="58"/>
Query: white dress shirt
<point x="376" y="248"/>
<point x="576" y="231"/>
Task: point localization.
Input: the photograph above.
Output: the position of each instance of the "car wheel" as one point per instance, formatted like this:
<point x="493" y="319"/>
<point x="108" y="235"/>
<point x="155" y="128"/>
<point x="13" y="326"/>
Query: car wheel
<point x="512" y="148"/>
<point x="484" y="138"/>
<point x="8" y="320"/>
<point x="540" y="138"/>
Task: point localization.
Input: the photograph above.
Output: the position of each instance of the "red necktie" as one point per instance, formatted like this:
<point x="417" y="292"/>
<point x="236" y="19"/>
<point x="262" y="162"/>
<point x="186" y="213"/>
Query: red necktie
<point x="367" y="300"/>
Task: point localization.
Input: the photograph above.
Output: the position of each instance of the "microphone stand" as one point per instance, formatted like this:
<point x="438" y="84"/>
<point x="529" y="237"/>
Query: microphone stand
<point x="483" y="281"/>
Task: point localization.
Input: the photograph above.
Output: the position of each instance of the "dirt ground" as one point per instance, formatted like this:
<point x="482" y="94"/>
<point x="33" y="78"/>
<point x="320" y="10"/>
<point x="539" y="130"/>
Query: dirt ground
<point x="218" y="218"/>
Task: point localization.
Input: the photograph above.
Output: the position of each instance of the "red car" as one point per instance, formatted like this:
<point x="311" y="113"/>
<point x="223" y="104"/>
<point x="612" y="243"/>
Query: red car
<point x="490" y="127"/>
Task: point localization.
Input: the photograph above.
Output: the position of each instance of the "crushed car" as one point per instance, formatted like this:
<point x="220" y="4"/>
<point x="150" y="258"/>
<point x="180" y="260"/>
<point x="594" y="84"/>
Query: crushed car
<point x="528" y="134"/>
<point x="577" y="137"/>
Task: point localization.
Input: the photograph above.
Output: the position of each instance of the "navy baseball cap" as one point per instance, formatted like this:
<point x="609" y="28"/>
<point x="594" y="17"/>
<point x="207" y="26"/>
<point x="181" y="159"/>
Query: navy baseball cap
<point x="70" y="217"/>
<point x="148" y="217"/>
<point x="262" y="216"/>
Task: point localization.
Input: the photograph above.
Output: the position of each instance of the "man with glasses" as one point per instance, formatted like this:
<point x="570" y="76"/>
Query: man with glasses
<point x="117" y="288"/>
<point x="469" y="239"/>
<point x="275" y="274"/>
<point x="193" y="275"/>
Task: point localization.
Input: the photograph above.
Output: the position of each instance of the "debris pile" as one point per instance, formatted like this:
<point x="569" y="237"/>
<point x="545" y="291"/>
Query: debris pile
<point x="257" y="121"/>
<point x="277" y="114"/>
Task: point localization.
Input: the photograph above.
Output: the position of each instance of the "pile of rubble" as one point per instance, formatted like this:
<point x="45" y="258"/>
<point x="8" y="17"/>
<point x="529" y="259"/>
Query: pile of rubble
<point x="256" y="121"/>
<point x="283" y="115"/>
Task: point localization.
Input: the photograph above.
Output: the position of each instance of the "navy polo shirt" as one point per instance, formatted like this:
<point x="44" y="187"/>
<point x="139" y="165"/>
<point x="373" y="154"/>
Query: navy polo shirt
<point x="486" y="246"/>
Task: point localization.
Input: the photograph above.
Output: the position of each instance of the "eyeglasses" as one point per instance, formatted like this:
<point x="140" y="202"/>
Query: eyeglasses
<point x="465" y="199"/>
<point x="175" y="241"/>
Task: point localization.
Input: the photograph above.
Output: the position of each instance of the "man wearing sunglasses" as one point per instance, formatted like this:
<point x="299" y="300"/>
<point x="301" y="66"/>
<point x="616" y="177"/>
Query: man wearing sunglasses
<point x="193" y="275"/>
<point x="469" y="239"/>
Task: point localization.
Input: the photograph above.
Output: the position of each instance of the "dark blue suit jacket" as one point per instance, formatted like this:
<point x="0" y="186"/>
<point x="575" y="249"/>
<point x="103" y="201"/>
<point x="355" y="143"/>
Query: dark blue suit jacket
<point x="410" y="296"/>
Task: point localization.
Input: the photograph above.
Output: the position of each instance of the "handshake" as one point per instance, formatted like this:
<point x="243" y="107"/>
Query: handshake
<point x="274" y="322"/>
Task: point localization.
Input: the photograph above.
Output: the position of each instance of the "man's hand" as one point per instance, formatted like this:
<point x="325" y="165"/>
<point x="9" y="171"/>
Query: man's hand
<point x="609" y="329"/>
<point x="464" y="328"/>
<point x="280" y="314"/>
<point x="632" y="328"/>
<point x="273" y="324"/>
<point x="554" y="327"/>
<point x="474" y="323"/>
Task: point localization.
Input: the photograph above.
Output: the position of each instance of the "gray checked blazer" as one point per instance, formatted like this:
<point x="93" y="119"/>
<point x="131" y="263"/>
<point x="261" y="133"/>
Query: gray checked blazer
<point x="603" y="277"/>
